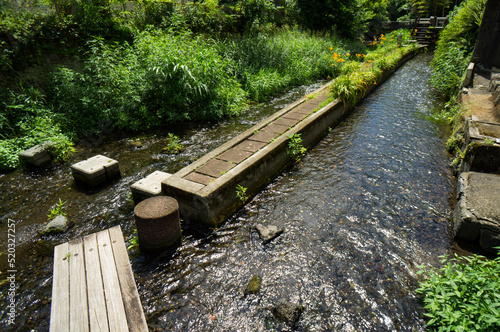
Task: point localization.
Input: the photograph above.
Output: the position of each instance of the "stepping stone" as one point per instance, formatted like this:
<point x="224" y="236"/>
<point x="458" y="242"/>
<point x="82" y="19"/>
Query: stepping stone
<point x="149" y="186"/>
<point x="36" y="155"/>
<point x="95" y="170"/>
<point x="268" y="233"/>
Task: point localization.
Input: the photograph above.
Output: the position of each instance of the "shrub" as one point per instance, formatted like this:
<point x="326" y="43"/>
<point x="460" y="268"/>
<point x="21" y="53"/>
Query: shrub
<point x="267" y="64"/>
<point x="30" y="122"/>
<point x="464" y="295"/>
<point x="159" y="79"/>
<point x="455" y="45"/>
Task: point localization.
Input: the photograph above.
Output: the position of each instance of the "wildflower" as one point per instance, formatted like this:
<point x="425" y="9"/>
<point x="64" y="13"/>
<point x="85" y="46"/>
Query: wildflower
<point x="392" y="39"/>
<point x="348" y="54"/>
<point x="331" y="48"/>
<point x="328" y="77"/>
<point x="340" y="60"/>
<point x="335" y="55"/>
<point x="364" y="55"/>
<point x="358" y="55"/>
<point x="369" y="61"/>
<point x="331" y="64"/>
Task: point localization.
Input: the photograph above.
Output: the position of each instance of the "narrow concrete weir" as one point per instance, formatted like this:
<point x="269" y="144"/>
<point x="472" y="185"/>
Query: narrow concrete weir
<point x="206" y="189"/>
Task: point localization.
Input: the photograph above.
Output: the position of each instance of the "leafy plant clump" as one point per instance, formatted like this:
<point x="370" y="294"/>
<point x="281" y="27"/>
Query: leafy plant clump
<point x="173" y="145"/>
<point x="57" y="210"/>
<point x="26" y="121"/>
<point x="159" y="79"/>
<point x="455" y="45"/>
<point x="241" y="193"/>
<point x="464" y="295"/>
<point x="295" y="148"/>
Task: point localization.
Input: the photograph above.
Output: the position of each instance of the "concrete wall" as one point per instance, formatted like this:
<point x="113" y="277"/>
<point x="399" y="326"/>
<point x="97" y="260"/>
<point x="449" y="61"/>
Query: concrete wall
<point x="213" y="203"/>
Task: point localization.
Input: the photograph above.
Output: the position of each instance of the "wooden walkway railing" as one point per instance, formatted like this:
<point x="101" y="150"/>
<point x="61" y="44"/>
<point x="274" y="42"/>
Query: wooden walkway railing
<point x="93" y="288"/>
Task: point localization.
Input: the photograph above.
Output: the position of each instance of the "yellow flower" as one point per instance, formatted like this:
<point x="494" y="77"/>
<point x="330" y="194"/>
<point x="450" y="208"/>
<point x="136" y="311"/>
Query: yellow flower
<point x="364" y="55"/>
<point x="381" y="42"/>
<point x="331" y="48"/>
<point x="340" y="60"/>
<point x="369" y="61"/>
<point x="348" y="54"/>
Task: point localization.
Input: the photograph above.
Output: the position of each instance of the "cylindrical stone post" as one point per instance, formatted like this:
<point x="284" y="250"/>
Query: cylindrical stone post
<point x="158" y="224"/>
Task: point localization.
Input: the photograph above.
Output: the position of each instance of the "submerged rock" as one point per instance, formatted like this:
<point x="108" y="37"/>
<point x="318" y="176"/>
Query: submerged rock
<point x="269" y="232"/>
<point x="287" y="312"/>
<point x="254" y="285"/>
<point x="57" y="225"/>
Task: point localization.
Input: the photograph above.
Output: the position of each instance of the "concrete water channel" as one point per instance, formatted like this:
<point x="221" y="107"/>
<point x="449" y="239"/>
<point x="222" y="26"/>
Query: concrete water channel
<point x="361" y="211"/>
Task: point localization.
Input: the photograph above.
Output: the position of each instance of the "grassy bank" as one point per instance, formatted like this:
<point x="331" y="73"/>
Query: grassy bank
<point x="161" y="78"/>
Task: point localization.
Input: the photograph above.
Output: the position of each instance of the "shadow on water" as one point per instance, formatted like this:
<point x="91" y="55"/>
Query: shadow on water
<point x="361" y="211"/>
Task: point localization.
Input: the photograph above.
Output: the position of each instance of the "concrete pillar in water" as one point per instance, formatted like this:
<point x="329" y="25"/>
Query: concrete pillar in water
<point x="158" y="224"/>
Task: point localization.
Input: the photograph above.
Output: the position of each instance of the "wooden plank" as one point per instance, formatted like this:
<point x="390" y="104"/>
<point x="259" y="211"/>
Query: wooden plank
<point x="131" y="300"/>
<point x="59" y="307"/>
<point x="98" y="318"/>
<point x="78" y="315"/>
<point x="114" y="302"/>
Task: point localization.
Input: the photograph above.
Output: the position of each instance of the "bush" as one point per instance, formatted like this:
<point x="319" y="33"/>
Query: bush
<point x="267" y="64"/>
<point x="464" y="295"/>
<point x="455" y="45"/>
<point x="159" y="79"/>
<point x="28" y="122"/>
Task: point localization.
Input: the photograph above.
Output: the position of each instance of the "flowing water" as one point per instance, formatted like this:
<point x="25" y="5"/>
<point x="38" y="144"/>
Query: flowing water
<point x="361" y="211"/>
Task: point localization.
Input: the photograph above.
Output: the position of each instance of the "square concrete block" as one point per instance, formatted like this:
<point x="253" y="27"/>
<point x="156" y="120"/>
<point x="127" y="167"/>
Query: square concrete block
<point x="286" y="122"/>
<point x="199" y="178"/>
<point x="95" y="170"/>
<point x="249" y="145"/>
<point x="149" y="186"/>
<point x="36" y="155"/>
<point x="215" y="168"/>
<point x="263" y="136"/>
<point x="234" y="155"/>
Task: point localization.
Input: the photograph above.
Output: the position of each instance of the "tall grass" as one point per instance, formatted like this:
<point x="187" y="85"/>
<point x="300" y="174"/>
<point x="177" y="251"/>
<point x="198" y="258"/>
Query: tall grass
<point x="455" y="45"/>
<point x="159" y="79"/>
<point x="266" y="64"/>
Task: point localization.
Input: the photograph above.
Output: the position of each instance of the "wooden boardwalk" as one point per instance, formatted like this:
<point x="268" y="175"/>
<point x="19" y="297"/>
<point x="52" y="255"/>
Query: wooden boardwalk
<point x="93" y="288"/>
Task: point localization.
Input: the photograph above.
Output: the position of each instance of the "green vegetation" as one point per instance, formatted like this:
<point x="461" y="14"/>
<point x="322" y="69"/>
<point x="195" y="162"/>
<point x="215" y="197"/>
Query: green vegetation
<point x="57" y="210"/>
<point x="173" y="145"/>
<point x="452" y="56"/>
<point x="362" y="70"/>
<point x="464" y="295"/>
<point x="26" y="121"/>
<point x="70" y="69"/>
<point x="455" y="45"/>
<point x="241" y="193"/>
<point x="295" y="148"/>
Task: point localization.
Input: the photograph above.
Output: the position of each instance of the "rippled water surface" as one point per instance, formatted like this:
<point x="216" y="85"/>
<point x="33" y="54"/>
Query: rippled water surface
<point x="361" y="211"/>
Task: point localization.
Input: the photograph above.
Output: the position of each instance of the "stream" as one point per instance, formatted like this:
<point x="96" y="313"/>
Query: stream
<point x="361" y="211"/>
